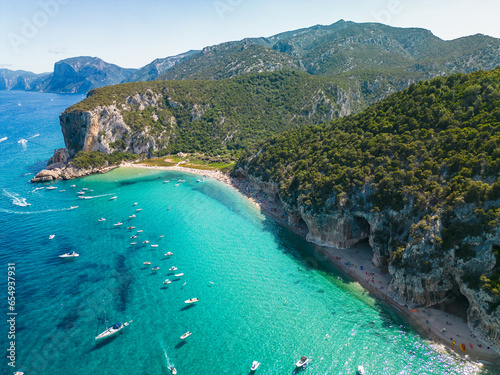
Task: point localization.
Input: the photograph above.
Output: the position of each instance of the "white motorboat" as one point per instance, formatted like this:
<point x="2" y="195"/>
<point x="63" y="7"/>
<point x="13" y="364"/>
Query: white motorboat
<point x="102" y="219"/>
<point x="73" y="207"/>
<point x="147" y="263"/>
<point x="139" y="209"/>
<point x="145" y="241"/>
<point x="135" y="204"/>
<point x="162" y="236"/>
<point x="166" y="181"/>
<point x="131" y="216"/>
<point x="154" y="245"/>
<point x="179" y="274"/>
<point x="130" y="227"/>
<point x="303" y="361"/>
<point x="140" y="231"/>
<point x="133" y="243"/>
<point x="17" y="372"/>
<point x="155" y="268"/>
<point x="80" y="192"/>
<point x="173" y="268"/>
<point x="167" y="281"/>
<point x="255" y="366"/>
<point x="176" y="185"/>
<point x="51" y="187"/>
<point x="181" y="181"/>
<point x="69" y="255"/>
<point x="118" y="224"/>
<point x="51" y="236"/>
<point x="361" y="370"/>
<point x="85" y="188"/>
<point x="173" y="370"/>
<point x="192" y="300"/>
<point x="169" y="254"/>
<point x="113" y="198"/>
<point x="187" y="334"/>
<point x="61" y="190"/>
<point x="134" y="236"/>
<point x="73" y="186"/>
<point x="110" y="331"/>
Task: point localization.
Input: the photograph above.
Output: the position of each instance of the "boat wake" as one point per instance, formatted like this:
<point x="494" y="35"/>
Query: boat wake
<point x="94" y="196"/>
<point x="167" y="360"/>
<point x="38" y="188"/>
<point x="3" y="139"/>
<point x="16" y="200"/>
<point x="33" y="212"/>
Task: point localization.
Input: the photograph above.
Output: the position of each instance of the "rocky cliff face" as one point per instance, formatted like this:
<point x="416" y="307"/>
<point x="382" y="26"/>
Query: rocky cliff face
<point x="406" y="247"/>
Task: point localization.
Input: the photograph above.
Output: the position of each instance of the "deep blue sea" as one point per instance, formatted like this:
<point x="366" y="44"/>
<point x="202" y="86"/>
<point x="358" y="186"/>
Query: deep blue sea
<point x="260" y="297"/>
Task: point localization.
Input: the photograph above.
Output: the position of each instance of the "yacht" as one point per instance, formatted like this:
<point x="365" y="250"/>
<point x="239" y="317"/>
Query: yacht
<point x="110" y="331"/>
<point x="192" y="300"/>
<point x="167" y="281"/>
<point x="69" y="255"/>
<point x="255" y="366"/>
<point x="187" y="334"/>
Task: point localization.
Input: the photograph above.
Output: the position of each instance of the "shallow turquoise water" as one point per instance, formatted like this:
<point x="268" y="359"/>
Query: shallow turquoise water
<point x="260" y="298"/>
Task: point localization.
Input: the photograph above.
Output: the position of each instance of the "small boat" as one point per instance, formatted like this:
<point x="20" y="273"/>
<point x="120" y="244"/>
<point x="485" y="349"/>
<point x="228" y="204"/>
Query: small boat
<point x="69" y="255"/>
<point x="73" y="207"/>
<point x="102" y="219"/>
<point x="134" y="236"/>
<point x="155" y="268"/>
<point x="51" y="236"/>
<point x="166" y="181"/>
<point x="85" y="188"/>
<point x="131" y="216"/>
<point x="80" y="192"/>
<point x="192" y="300"/>
<point x="110" y="331"/>
<point x="139" y="209"/>
<point x="61" y="190"/>
<point x="133" y="243"/>
<point x="169" y="254"/>
<point x="361" y="370"/>
<point x="162" y="236"/>
<point x="176" y="185"/>
<point x="130" y="227"/>
<point x="73" y="186"/>
<point x="181" y="181"/>
<point x="51" y="187"/>
<point x="135" y="204"/>
<point x="147" y="263"/>
<point x="173" y="370"/>
<point x="255" y="366"/>
<point x="18" y="372"/>
<point x="154" y="245"/>
<point x="118" y="224"/>
<point x="112" y="198"/>
<point x="187" y="334"/>
<point x="167" y="281"/>
<point x="140" y="231"/>
<point x="145" y="241"/>
<point x="173" y="268"/>
<point x="303" y="361"/>
<point x="179" y="275"/>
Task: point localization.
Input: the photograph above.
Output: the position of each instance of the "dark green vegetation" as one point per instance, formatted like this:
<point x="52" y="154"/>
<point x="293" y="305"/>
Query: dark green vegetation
<point x="220" y="117"/>
<point x="97" y="159"/>
<point x="432" y="149"/>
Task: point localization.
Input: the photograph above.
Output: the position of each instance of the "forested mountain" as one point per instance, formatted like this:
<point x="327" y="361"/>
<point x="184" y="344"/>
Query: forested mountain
<point x="416" y="174"/>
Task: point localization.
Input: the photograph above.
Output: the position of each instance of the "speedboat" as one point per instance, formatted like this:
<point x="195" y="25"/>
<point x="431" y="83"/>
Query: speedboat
<point x="192" y="300"/>
<point x="140" y="231"/>
<point x="166" y="181"/>
<point x="361" y="370"/>
<point x="118" y="224"/>
<point x="176" y="185"/>
<point x="134" y="236"/>
<point x="85" y="188"/>
<point x="187" y="334"/>
<point x="73" y="186"/>
<point x="73" y="207"/>
<point x="147" y="263"/>
<point x="155" y="268"/>
<point x="133" y="243"/>
<point x="135" y="204"/>
<point x="130" y="227"/>
<point x="19" y="373"/>
<point x="145" y="241"/>
<point x="173" y="370"/>
<point x="154" y="245"/>
<point x="162" y="236"/>
<point x="181" y="181"/>
<point x="110" y="331"/>
<point x="51" y="187"/>
<point x="255" y="366"/>
<point x="102" y="219"/>
<point x="80" y="192"/>
<point x="167" y="281"/>
<point x="131" y="216"/>
<point x="51" y="236"/>
<point x="303" y="361"/>
<point x="61" y="190"/>
<point x="139" y="209"/>
<point x="173" y="268"/>
<point x="112" y="198"/>
<point x="179" y="275"/>
<point x="69" y="255"/>
<point x="169" y="254"/>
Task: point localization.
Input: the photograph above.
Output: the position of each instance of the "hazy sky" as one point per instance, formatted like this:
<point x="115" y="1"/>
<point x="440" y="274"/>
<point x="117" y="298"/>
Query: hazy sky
<point x="36" y="33"/>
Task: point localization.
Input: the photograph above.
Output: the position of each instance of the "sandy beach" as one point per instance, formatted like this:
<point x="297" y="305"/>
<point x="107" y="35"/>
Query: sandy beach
<point x="450" y="331"/>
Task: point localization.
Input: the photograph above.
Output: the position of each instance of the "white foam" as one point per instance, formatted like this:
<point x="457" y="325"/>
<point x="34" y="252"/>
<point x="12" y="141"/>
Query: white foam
<point x="3" y="139"/>
<point x="18" y="201"/>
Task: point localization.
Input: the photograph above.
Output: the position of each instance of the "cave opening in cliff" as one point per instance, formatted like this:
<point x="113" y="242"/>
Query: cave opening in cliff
<point x="455" y="303"/>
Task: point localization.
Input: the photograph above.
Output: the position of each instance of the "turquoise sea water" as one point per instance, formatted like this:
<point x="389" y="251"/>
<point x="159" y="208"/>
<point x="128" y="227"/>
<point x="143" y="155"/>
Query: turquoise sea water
<point x="262" y="295"/>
